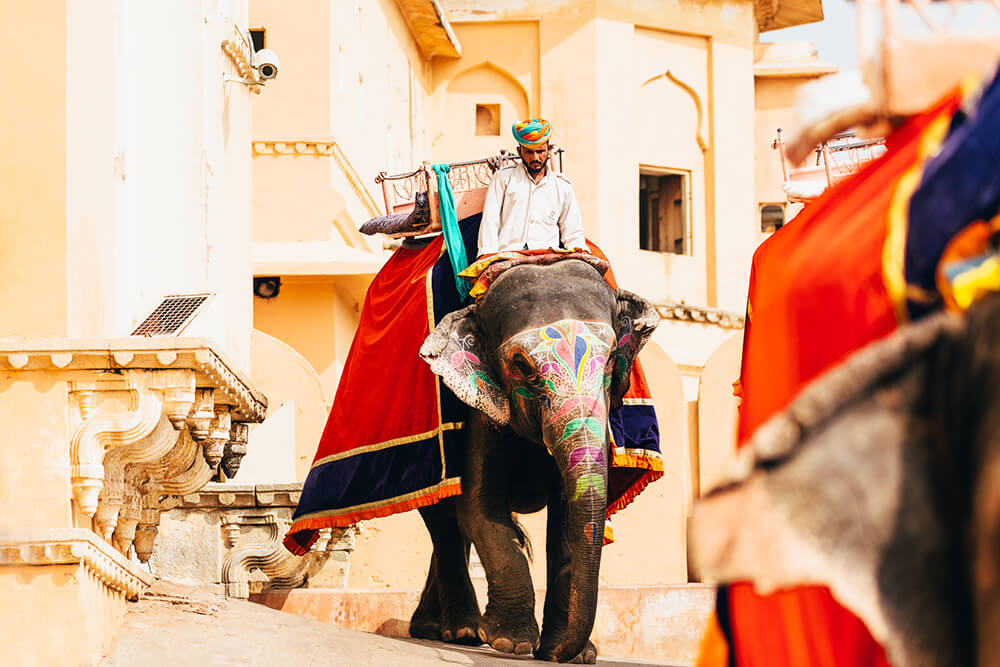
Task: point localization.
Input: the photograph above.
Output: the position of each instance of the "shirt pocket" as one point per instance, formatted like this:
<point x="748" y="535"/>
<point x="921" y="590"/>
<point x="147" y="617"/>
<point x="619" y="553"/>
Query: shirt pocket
<point x="549" y="217"/>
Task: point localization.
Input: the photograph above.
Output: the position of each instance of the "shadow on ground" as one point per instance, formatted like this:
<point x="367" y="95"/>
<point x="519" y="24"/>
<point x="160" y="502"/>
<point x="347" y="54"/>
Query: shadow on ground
<point x="483" y="655"/>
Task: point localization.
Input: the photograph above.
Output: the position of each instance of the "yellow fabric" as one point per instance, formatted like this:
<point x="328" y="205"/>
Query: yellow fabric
<point x="476" y="269"/>
<point x="971" y="285"/>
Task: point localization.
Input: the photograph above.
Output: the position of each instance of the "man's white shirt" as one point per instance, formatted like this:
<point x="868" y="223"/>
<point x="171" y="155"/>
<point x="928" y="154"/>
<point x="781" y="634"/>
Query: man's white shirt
<point x="520" y="213"/>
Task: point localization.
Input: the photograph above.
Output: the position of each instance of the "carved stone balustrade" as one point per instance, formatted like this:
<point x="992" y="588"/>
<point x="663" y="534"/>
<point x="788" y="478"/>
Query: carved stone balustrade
<point x="227" y="539"/>
<point x="116" y="426"/>
<point x="96" y="438"/>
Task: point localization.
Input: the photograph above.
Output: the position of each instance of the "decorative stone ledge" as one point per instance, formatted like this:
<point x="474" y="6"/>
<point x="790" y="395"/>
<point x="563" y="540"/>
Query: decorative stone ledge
<point x="684" y="312"/>
<point x="320" y="148"/>
<point x="243" y="495"/>
<point x="148" y="418"/>
<point x="71" y="546"/>
<point x="245" y="524"/>
<point x="211" y="368"/>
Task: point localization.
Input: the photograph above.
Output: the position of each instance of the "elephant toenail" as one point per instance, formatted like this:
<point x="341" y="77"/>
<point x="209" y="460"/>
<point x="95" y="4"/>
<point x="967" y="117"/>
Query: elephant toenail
<point x="446" y="635"/>
<point x="482" y="635"/>
<point x="503" y="645"/>
<point x="523" y="648"/>
<point x="463" y="633"/>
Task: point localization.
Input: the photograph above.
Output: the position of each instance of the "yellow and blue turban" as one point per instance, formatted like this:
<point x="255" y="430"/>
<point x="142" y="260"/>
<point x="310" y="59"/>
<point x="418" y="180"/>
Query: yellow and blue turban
<point x="532" y="132"/>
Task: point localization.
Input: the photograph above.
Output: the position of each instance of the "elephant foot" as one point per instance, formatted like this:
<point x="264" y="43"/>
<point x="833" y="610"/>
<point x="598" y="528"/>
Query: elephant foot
<point x="588" y="656"/>
<point x="462" y="629"/>
<point x="467" y="635"/>
<point x="425" y="629"/>
<point x="506" y="635"/>
<point x="455" y="628"/>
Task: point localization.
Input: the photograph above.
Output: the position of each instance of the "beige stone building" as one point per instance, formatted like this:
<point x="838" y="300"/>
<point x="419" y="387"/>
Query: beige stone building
<point x="146" y="159"/>
<point x="125" y="170"/>
<point x="666" y="113"/>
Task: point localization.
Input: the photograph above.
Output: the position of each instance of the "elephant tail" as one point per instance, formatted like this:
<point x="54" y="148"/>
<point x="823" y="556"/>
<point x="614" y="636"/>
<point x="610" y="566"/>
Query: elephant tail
<point x="523" y="540"/>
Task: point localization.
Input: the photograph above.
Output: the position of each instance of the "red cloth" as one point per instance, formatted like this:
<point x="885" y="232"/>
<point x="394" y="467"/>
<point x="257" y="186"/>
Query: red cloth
<point x="394" y="323"/>
<point x="392" y="441"/>
<point x="818" y="292"/>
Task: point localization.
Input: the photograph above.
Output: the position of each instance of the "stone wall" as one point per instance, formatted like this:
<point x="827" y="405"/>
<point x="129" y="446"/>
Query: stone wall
<point x="226" y="538"/>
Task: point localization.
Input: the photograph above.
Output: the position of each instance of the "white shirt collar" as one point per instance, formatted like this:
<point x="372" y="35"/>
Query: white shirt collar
<point x="527" y="174"/>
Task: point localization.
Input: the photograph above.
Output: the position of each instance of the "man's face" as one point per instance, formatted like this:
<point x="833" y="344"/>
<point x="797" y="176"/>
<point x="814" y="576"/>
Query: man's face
<point x="534" y="158"/>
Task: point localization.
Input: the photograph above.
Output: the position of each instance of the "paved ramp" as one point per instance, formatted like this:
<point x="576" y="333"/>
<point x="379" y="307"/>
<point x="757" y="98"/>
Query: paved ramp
<point x="208" y="631"/>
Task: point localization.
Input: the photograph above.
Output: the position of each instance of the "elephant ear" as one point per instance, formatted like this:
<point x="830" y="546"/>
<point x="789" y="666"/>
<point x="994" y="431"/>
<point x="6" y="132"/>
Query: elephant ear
<point x="839" y="490"/>
<point x="453" y="351"/>
<point x="635" y="321"/>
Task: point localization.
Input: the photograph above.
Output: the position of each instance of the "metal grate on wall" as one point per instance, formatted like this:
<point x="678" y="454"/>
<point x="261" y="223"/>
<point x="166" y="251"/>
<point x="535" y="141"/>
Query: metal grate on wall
<point x="171" y="315"/>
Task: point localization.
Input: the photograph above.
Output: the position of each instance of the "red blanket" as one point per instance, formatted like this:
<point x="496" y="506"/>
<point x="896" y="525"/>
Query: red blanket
<point x="393" y="439"/>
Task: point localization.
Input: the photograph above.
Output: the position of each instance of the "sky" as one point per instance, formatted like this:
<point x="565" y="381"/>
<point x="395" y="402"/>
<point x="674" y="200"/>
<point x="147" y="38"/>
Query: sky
<point x="834" y="36"/>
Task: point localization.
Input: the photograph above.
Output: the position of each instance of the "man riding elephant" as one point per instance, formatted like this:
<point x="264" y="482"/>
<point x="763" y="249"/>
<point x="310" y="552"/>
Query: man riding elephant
<point x="397" y="438"/>
<point x="528" y="205"/>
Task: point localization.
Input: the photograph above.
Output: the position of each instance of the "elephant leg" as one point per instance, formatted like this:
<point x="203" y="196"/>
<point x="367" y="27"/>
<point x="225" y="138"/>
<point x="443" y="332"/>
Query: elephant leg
<point x="484" y="513"/>
<point x="557" y="550"/>
<point x="425" y="623"/>
<point x="448" y="609"/>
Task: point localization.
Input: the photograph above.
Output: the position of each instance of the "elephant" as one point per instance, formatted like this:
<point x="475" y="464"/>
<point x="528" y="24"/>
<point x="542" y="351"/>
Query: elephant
<point x="881" y="481"/>
<point x="540" y="360"/>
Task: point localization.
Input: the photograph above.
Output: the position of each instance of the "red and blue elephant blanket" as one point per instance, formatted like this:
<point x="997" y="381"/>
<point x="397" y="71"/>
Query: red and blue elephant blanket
<point x="393" y="439"/>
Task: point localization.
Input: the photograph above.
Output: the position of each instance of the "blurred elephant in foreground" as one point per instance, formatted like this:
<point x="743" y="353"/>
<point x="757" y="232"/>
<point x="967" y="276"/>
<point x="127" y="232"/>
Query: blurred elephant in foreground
<point x="881" y="481"/>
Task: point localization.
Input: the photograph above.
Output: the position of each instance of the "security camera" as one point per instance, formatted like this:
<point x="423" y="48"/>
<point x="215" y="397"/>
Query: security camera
<point x="265" y="62"/>
<point x="267" y="287"/>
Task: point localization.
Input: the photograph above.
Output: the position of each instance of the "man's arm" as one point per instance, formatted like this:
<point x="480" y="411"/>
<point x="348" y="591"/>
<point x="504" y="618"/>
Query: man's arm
<point x="489" y="228"/>
<point x="570" y="221"/>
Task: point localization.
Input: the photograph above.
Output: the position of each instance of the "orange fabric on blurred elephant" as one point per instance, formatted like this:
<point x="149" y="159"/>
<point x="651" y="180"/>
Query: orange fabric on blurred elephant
<point x="822" y="287"/>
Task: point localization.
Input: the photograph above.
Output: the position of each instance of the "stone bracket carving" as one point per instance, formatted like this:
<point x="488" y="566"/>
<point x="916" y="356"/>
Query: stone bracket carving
<point x="685" y="312"/>
<point x="248" y="522"/>
<point x="99" y="432"/>
<point x="252" y="566"/>
<point x="148" y="418"/>
<point x="76" y="545"/>
<point x="236" y="449"/>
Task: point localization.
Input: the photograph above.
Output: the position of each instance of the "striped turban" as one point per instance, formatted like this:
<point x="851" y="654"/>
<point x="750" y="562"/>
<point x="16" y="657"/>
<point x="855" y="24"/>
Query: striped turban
<point x="532" y="132"/>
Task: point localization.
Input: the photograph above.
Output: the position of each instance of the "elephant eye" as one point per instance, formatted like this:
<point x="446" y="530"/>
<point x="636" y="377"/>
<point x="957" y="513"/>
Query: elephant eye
<point x="522" y="365"/>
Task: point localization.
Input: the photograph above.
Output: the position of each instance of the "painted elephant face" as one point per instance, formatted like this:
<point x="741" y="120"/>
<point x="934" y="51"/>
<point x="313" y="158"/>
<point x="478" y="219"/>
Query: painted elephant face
<point x="882" y="482"/>
<point x="561" y="368"/>
<point x="567" y="357"/>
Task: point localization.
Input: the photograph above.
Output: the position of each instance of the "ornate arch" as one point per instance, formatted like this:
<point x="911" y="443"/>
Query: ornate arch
<point x="702" y="143"/>
<point x="490" y="66"/>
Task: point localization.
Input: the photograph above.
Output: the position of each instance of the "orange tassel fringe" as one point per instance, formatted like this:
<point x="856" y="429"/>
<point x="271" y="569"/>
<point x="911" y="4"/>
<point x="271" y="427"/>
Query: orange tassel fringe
<point x="635" y="490"/>
<point x="342" y="520"/>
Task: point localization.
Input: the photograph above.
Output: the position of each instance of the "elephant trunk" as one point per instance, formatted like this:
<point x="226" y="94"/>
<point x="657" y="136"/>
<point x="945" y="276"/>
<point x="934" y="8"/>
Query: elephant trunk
<point x="582" y="462"/>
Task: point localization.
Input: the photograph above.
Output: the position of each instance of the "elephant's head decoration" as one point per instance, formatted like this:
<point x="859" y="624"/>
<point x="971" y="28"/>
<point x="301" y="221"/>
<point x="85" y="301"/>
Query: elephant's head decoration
<point x="548" y="351"/>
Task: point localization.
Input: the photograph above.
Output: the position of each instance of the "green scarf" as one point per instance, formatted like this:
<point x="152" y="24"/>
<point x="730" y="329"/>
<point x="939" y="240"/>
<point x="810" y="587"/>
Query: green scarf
<point x="449" y="227"/>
